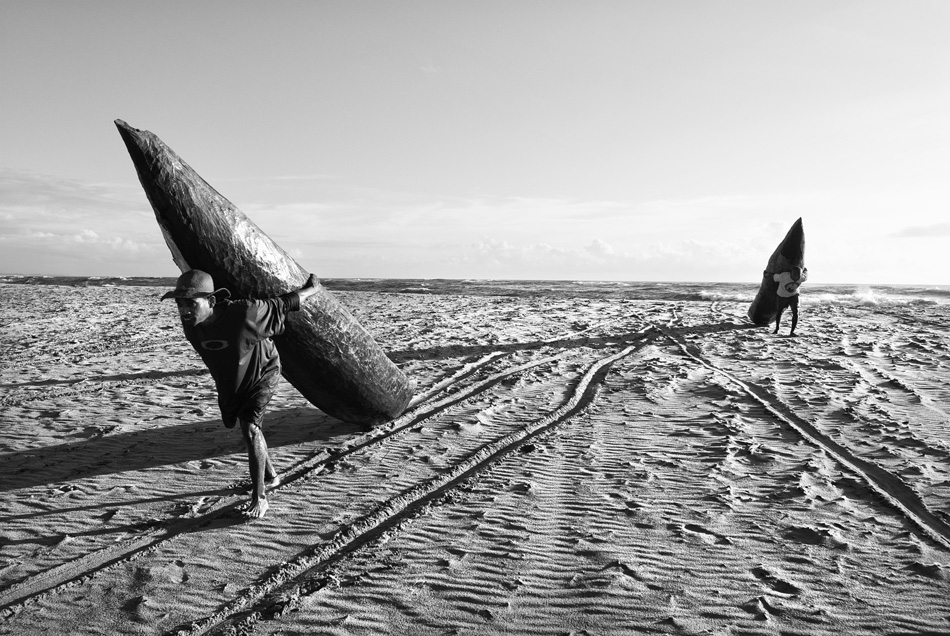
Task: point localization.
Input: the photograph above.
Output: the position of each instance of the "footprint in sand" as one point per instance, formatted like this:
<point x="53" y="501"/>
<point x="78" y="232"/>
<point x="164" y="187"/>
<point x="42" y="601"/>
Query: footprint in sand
<point x="174" y="572"/>
<point x="524" y="488"/>
<point x="144" y="610"/>
<point x="778" y="585"/>
<point x="706" y="535"/>
<point x="936" y="571"/>
<point x="696" y="531"/>
<point x="761" y="608"/>
<point x="815" y="536"/>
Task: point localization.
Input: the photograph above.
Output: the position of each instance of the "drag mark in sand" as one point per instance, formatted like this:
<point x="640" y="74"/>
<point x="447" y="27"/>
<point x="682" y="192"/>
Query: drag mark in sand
<point x="295" y="578"/>
<point x="466" y="371"/>
<point x="890" y="487"/>
<point x="90" y="563"/>
<point x="424" y="409"/>
<point x="87" y="565"/>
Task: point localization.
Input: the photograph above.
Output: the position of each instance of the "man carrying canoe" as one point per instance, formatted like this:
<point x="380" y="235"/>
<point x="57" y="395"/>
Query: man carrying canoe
<point x="788" y="284"/>
<point x="233" y="339"/>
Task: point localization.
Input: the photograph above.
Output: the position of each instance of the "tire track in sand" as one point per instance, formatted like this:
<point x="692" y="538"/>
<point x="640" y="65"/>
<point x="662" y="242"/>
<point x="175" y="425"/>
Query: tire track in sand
<point x="98" y="560"/>
<point x="50" y="581"/>
<point x="283" y="589"/>
<point x="890" y="487"/>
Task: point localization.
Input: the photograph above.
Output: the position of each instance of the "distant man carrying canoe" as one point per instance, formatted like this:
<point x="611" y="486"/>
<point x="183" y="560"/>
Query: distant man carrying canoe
<point x="788" y="284"/>
<point x="233" y="338"/>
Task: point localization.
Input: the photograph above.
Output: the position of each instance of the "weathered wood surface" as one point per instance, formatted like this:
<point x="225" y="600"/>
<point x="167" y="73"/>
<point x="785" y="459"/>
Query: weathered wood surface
<point x="325" y="353"/>
<point x="789" y="253"/>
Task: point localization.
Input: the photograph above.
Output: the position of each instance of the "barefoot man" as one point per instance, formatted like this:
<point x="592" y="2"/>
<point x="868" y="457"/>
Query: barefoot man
<point x="233" y="339"/>
<point x="788" y="284"/>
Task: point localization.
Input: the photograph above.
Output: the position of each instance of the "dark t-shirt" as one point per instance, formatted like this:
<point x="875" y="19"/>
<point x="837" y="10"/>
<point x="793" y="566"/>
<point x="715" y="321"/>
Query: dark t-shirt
<point x="238" y="350"/>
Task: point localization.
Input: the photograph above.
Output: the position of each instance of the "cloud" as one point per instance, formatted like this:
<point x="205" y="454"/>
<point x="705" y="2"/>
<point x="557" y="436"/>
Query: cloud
<point x="599" y="248"/>
<point x="924" y="231"/>
<point x="423" y="220"/>
<point x="495" y="257"/>
<point x="49" y="241"/>
<point x="419" y="235"/>
<point x="51" y="225"/>
<point x="662" y="210"/>
<point x="279" y="179"/>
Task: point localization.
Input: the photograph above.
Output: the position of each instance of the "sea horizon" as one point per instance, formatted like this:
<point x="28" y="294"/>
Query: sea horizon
<point x="136" y="279"/>
<point x="689" y="291"/>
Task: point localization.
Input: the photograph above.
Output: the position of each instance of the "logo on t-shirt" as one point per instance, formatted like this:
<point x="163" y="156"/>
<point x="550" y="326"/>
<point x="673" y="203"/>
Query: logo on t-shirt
<point x="214" y="345"/>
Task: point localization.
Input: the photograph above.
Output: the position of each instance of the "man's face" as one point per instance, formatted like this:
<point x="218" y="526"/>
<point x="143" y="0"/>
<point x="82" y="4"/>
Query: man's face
<point x="194" y="311"/>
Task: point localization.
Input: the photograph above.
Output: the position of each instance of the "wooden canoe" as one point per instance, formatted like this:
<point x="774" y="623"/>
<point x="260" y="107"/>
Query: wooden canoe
<point x="789" y="253"/>
<point x="325" y="353"/>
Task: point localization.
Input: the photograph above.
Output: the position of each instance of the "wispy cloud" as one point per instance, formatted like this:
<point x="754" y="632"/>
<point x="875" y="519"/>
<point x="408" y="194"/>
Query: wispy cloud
<point x="305" y="177"/>
<point x="924" y="231"/>
<point x="421" y="235"/>
<point x="45" y="242"/>
<point x="53" y="225"/>
<point x="496" y="257"/>
<point x="281" y="178"/>
<point x="65" y="226"/>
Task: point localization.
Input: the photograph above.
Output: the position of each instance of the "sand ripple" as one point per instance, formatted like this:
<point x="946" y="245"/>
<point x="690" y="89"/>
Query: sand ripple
<point x="585" y="466"/>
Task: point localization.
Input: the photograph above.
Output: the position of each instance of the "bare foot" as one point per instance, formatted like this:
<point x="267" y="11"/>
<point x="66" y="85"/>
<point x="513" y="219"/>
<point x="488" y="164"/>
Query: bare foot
<point x="257" y="509"/>
<point x="272" y="482"/>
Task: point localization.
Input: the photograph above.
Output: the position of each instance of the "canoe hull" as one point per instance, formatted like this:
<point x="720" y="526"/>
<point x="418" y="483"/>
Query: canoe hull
<point x="325" y="353"/>
<point x="789" y="253"/>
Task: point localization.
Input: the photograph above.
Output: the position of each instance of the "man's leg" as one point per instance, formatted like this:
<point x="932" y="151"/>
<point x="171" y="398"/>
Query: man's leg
<point x="778" y="315"/>
<point x="259" y="464"/>
<point x="794" y="305"/>
<point x="271" y="478"/>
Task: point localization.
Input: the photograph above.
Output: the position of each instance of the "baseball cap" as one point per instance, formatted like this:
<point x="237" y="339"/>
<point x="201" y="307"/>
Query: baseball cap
<point x="195" y="284"/>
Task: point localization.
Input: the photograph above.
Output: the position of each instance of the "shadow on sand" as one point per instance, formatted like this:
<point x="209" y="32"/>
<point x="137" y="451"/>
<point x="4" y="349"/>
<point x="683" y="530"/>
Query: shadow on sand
<point x="166" y="445"/>
<point x="120" y="377"/>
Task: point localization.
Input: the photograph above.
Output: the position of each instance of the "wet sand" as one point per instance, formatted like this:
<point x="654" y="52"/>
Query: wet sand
<point x="568" y="467"/>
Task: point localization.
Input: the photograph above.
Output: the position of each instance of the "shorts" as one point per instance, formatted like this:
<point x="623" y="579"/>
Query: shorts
<point x="252" y="407"/>
<point x="786" y="301"/>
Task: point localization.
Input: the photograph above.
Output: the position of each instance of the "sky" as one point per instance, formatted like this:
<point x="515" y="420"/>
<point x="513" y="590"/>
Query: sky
<point x="599" y="140"/>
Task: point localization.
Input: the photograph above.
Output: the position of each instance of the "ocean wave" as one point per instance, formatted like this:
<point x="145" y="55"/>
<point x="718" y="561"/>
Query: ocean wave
<point x="728" y="296"/>
<point x="870" y="297"/>
<point x="853" y="295"/>
<point x="88" y="281"/>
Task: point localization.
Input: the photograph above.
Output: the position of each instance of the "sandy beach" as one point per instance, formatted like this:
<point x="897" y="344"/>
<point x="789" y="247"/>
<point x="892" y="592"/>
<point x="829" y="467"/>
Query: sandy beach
<point x="568" y="466"/>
